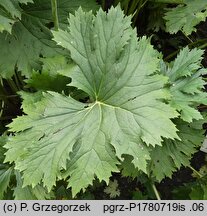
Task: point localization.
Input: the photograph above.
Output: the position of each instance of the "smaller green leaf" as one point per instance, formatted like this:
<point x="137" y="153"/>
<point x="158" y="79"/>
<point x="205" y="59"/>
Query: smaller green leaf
<point x="128" y="168"/>
<point x="186" y="16"/>
<point x="197" y="192"/>
<point x="187" y="63"/>
<point x="174" y="153"/>
<point x="185" y="76"/>
<point x="138" y="195"/>
<point x="29" y="193"/>
<point x="5" y="175"/>
<point x="199" y="189"/>
<point x="112" y="189"/>
<point x="10" y="12"/>
<point x="182" y="192"/>
<point x="6" y="22"/>
<point x="155" y="19"/>
<point x="52" y="73"/>
<point x="3" y="140"/>
<point x="12" y="7"/>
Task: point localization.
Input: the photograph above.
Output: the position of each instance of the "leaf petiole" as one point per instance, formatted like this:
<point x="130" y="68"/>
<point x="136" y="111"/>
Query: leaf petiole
<point x="55" y="14"/>
<point x="156" y="191"/>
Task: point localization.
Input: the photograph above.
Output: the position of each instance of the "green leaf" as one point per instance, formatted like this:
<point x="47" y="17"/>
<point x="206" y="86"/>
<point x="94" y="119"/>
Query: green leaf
<point x="185" y="75"/>
<point x="6" y="22"/>
<point x="3" y="140"/>
<point x="128" y="168"/>
<point x="182" y="192"/>
<point x="186" y="16"/>
<point x="29" y="193"/>
<point x="25" y="1"/>
<point x="112" y="189"/>
<point x="138" y="195"/>
<point x="5" y="171"/>
<point x="31" y="37"/>
<point x="10" y="12"/>
<point x="168" y="1"/>
<point x="64" y="138"/>
<point x="4" y="180"/>
<point x="174" y="154"/>
<point x="195" y="190"/>
<point x="156" y="21"/>
<point x="51" y="74"/>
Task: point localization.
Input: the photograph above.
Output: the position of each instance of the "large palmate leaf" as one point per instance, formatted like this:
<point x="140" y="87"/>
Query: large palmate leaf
<point x="61" y="137"/>
<point x="187" y="84"/>
<point x="31" y="36"/>
<point x="186" y="16"/>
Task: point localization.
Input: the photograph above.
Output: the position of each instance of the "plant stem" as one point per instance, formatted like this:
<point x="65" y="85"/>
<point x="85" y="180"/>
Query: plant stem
<point x="143" y="4"/>
<point x="2" y="108"/>
<point x="12" y="85"/>
<point x="156" y="191"/>
<point x="55" y="14"/>
<point x="198" y="42"/>
<point x="17" y="81"/>
<point x="196" y="172"/>
<point x="202" y="46"/>
<point x="191" y="41"/>
<point x="8" y="96"/>
<point x="20" y="78"/>
<point x="133" y="7"/>
<point x="191" y="45"/>
<point x="2" y="90"/>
